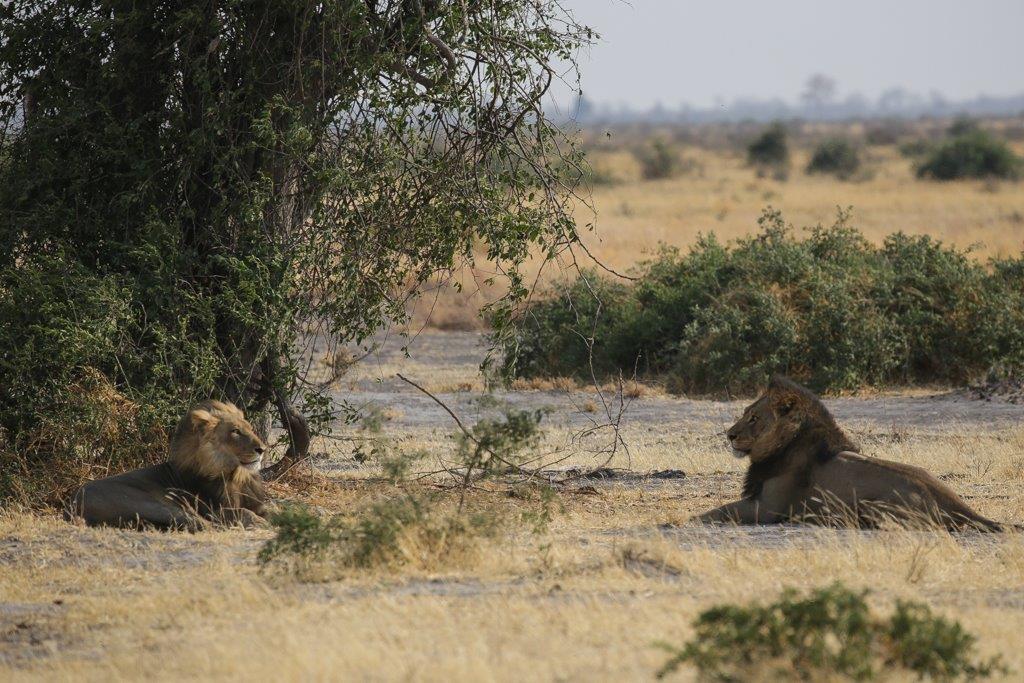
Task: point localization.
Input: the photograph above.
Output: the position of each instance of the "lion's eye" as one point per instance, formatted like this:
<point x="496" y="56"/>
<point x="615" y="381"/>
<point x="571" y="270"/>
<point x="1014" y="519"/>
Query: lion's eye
<point x="753" y="419"/>
<point x="235" y="432"/>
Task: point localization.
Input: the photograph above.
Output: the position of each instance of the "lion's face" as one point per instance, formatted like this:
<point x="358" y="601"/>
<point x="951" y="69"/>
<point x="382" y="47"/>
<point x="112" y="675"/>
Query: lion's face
<point x="238" y="445"/>
<point x="214" y="439"/>
<point x="768" y="424"/>
<point x="755" y="421"/>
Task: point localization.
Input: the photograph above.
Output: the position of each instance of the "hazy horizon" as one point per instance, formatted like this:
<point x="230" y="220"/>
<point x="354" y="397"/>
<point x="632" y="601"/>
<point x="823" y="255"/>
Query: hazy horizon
<point x="704" y="53"/>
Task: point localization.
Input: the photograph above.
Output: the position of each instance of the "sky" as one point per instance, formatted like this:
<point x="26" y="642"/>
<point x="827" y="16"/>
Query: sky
<point x="701" y="52"/>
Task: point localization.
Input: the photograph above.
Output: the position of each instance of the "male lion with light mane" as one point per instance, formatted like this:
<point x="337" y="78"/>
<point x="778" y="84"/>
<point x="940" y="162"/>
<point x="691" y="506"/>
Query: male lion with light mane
<point x="803" y="467"/>
<point x="212" y="474"/>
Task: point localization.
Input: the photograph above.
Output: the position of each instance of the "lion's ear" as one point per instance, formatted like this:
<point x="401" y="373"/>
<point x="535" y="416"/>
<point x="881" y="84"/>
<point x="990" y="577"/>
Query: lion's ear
<point x="202" y="420"/>
<point x="784" y="403"/>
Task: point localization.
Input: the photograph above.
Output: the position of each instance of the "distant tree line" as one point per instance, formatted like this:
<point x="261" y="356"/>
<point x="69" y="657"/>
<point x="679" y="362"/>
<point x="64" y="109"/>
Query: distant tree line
<point x="818" y="103"/>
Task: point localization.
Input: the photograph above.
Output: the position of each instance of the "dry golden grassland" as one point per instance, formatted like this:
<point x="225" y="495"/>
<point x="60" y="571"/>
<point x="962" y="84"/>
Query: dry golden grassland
<point x="625" y="220"/>
<point x="721" y="194"/>
<point x="585" y="600"/>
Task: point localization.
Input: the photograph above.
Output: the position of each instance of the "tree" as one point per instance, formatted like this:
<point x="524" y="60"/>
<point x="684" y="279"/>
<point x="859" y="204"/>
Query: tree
<point x="895" y="100"/>
<point x="770" y="149"/>
<point x="233" y="178"/>
<point x="819" y="91"/>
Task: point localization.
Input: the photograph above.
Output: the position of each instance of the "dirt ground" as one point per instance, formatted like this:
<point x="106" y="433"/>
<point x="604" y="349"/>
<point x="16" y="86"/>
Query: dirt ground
<point x="617" y="570"/>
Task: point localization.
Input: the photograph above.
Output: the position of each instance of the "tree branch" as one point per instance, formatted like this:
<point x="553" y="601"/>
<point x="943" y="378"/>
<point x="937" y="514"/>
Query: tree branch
<point x="439" y="402"/>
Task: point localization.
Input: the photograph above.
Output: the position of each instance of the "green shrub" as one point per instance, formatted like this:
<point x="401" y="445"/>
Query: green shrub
<point x="589" y="312"/>
<point x="837" y="157"/>
<point x="498" y="445"/>
<point x="745" y="322"/>
<point x="299" y="532"/>
<point x="829" y="633"/>
<point x="425" y="530"/>
<point x="830" y="309"/>
<point x="407" y="529"/>
<point x="658" y="161"/>
<point x="974" y="154"/>
<point x="73" y="342"/>
<point x="770" y="149"/>
<point x="962" y="125"/>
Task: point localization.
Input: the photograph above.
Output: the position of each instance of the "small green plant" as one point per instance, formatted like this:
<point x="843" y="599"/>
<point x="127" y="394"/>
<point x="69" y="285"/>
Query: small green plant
<point x="973" y="154"/>
<point x="546" y="498"/>
<point x="372" y="419"/>
<point x="403" y="530"/>
<point x="396" y="464"/>
<point x="770" y="150"/>
<point x="299" y="532"/>
<point x="407" y="529"/>
<point x="496" y="445"/>
<point x="836" y="156"/>
<point x="658" y="161"/>
<point x="829" y="633"/>
<point x="410" y="527"/>
<point x="371" y="445"/>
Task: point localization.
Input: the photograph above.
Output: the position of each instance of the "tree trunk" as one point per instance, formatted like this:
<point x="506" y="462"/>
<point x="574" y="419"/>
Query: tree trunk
<point x="294" y="424"/>
<point x="298" y="436"/>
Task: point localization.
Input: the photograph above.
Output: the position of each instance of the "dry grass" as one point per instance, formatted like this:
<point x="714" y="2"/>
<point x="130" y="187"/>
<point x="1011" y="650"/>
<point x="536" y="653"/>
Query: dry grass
<point x="719" y="193"/>
<point x="727" y="197"/>
<point x="584" y="601"/>
<point x="567" y="384"/>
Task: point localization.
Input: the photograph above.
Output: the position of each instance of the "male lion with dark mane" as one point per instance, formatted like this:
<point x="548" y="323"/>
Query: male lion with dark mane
<point x="803" y="467"/>
<point x="212" y="474"/>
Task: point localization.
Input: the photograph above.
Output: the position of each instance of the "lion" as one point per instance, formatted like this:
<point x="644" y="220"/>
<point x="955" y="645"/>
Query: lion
<point x="804" y="468"/>
<point x="212" y="475"/>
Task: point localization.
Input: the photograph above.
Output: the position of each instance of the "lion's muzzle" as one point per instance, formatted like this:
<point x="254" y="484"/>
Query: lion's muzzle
<point x="253" y="465"/>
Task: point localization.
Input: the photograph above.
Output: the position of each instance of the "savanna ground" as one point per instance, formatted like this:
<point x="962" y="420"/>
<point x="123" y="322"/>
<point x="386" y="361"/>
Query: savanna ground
<point x="617" y="569"/>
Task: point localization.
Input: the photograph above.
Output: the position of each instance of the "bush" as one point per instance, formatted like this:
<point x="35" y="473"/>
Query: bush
<point x="831" y="309"/>
<point x="770" y="149"/>
<point x="974" y="154"/>
<point x="658" y="161"/>
<point x="962" y="125"/>
<point x="836" y="156"/>
<point x="831" y="632"/>
<point x="404" y="530"/>
<point x="415" y="529"/>
<point x="73" y="341"/>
